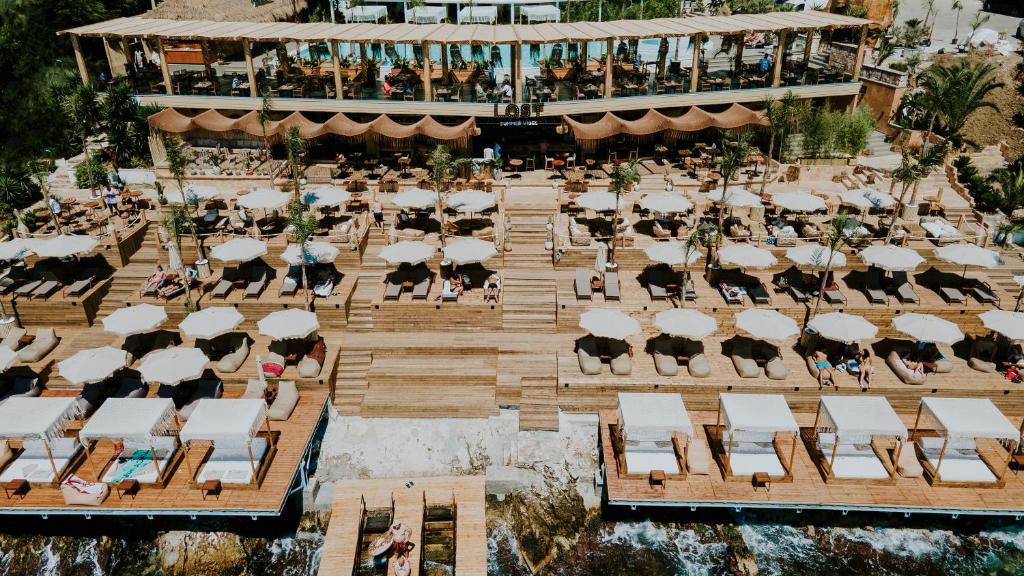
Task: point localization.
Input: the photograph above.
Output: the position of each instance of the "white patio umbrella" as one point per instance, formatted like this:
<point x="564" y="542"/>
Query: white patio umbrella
<point x="211" y="322"/>
<point x="468" y="201"/>
<point x="415" y="199"/>
<point x="7" y="357"/>
<point x="843" y="327"/>
<point x="597" y="200"/>
<point x="17" y="249"/>
<point x="93" y="365"/>
<point x="685" y="323"/>
<point x="815" y="256"/>
<point x="798" y="202"/>
<point x="291" y="323"/>
<point x="407" y="252"/>
<point x="323" y="196"/>
<point x="764" y="324"/>
<point x="264" y="199"/>
<point x="605" y="323"/>
<point x="672" y="253"/>
<point x="865" y="198"/>
<point x="239" y="250"/>
<point x="1009" y="324"/>
<point x="891" y="258"/>
<point x="64" y="245"/>
<point x="745" y="256"/>
<point x="315" y="253"/>
<point x="470" y="251"/>
<point x="735" y="197"/>
<point x="137" y="319"/>
<point x="195" y="193"/>
<point x="173" y="365"/>
<point x="174" y="257"/>
<point x="928" y="328"/>
<point x="666" y="203"/>
<point x="601" y="258"/>
<point x="969" y="255"/>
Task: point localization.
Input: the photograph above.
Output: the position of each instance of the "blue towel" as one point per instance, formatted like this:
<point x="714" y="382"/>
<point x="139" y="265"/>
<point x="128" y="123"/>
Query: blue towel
<point x="132" y="465"/>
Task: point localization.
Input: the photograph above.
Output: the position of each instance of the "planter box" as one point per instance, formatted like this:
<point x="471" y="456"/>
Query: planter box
<point x="825" y="161"/>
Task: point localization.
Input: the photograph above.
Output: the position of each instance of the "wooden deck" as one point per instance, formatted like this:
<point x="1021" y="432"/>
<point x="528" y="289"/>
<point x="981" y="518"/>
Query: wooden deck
<point x="807" y="490"/>
<point x="341" y="544"/>
<point x="178" y="498"/>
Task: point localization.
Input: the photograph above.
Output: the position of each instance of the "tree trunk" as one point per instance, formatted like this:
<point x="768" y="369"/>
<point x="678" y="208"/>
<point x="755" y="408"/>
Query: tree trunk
<point x="305" y="282"/>
<point x="821" y="285"/>
<point x="192" y="227"/>
<point x="892" y="225"/>
<point x="615" y="230"/>
<point x="88" y="163"/>
<point x="768" y="164"/>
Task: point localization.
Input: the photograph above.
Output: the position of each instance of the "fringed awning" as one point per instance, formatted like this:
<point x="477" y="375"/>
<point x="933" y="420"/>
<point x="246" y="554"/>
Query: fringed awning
<point x="170" y="120"/>
<point x="695" y="119"/>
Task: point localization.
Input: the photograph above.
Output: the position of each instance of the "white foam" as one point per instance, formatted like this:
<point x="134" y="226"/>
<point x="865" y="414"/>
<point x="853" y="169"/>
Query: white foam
<point x="693" y="556"/>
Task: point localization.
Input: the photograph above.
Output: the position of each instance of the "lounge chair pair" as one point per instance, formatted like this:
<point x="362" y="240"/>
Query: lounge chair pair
<point x="667" y="363"/>
<point x="45" y="285"/>
<point x="745" y="353"/>
<point x="44" y="342"/>
<point x="284" y="402"/>
<point x="584" y="290"/>
<point x="590" y="358"/>
<point x="84" y="282"/>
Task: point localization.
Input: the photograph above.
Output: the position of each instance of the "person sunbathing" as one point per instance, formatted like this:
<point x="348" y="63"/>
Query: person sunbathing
<point x="912" y="365"/>
<point x="402" y="566"/>
<point x="492" y="287"/>
<point x="324" y="286"/>
<point x="173" y="284"/>
<point x="156" y="280"/>
<point x="824" y="367"/>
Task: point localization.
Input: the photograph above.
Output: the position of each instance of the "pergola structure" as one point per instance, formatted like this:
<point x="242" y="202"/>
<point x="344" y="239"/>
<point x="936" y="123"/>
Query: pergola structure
<point x="116" y="32"/>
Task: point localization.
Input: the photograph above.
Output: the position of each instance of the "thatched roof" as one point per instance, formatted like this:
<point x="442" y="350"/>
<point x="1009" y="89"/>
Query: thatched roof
<point x="227" y="10"/>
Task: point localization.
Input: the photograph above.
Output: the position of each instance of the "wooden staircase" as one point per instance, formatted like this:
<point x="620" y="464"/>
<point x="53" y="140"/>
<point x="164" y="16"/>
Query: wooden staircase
<point x="529" y="301"/>
<point x="371" y="274"/>
<point x="351" y="380"/>
<point x="538" y="409"/>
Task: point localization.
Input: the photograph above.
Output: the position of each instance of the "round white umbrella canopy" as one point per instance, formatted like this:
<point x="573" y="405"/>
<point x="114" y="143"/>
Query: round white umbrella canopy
<point x="264" y="199"/>
<point x="211" y="322"/>
<point x="470" y="251"/>
<point x="843" y="327"/>
<point x="745" y="256"/>
<point x="666" y="203"/>
<point x="137" y="319"/>
<point x="325" y="196"/>
<point x="597" y="200"/>
<point x="684" y="323"/>
<point x="291" y="323"/>
<point x="798" y="202"/>
<point x="891" y="258"/>
<point x="735" y="197"/>
<point x="93" y="365"/>
<point x="1005" y="322"/>
<point x="927" y="328"/>
<point x="64" y="245"/>
<point x="17" y="248"/>
<point x="969" y="255"/>
<point x="194" y="194"/>
<point x="470" y="201"/>
<point x="316" y="253"/>
<point x="7" y="357"/>
<point x="763" y="324"/>
<point x="407" y="252"/>
<point x="415" y="199"/>
<point x="174" y="365"/>
<point x="867" y="198"/>
<point x="672" y="253"/>
<point x="605" y="323"/>
<point x="239" y="250"/>
<point x="815" y="256"/>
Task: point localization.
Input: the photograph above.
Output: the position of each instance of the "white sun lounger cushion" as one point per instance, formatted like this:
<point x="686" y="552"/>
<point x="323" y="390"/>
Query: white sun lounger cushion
<point x="744" y="464"/>
<point x="60" y="447"/>
<point x="642" y="462"/>
<point x="230" y="464"/>
<point x="741" y="436"/>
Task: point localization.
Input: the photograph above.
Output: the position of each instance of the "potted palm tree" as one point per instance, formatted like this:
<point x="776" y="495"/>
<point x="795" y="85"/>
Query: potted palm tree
<point x="444" y="166"/>
<point x="623" y="177"/>
<point x="176" y="163"/>
<point x="303" y="226"/>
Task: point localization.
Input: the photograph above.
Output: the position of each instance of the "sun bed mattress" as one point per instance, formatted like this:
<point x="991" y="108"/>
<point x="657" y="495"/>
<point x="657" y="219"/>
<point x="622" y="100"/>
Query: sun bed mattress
<point x="33" y="464"/>
<point x="231" y="465"/>
<point x="745" y="463"/>
<point x="859" y="467"/>
<point x="960" y="467"/>
<point x="136" y="463"/>
<point x="642" y="462"/>
<point x="940" y="229"/>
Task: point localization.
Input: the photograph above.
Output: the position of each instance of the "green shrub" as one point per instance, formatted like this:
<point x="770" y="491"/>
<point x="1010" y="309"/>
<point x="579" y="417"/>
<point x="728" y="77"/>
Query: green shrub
<point x="90" y="174"/>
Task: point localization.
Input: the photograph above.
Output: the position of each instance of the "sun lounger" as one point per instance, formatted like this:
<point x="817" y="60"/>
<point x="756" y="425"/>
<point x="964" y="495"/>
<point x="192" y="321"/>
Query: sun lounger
<point x="255" y="390"/>
<point x="289" y="287"/>
<point x="873" y="287"/>
<point x="984" y="293"/>
<point x="582" y="284"/>
<point x="257" y="282"/>
<point x="590" y="360"/>
<point x="689" y="289"/>
<point x="952" y="294"/>
<point x="48" y="286"/>
<point x="6" y="284"/>
<point x="960" y="461"/>
<point x="759" y="294"/>
<point x="797" y="289"/>
<point x="620" y="363"/>
<point x="909" y="466"/>
<point x="664" y="357"/>
<point x="13" y="338"/>
<point x="743" y="359"/>
<point x="226" y="283"/>
<point x="775" y="368"/>
<point x="393" y="286"/>
<point x="131" y="388"/>
<point x="611" y="286"/>
<point x="92" y="397"/>
<point x="285" y="402"/>
<point x="85" y="280"/>
<point x="983" y="356"/>
<point x="230" y="463"/>
<point x="697" y="363"/>
<point x="731" y="293"/>
<point x="204" y="389"/>
<point x="851" y="460"/>
<point x="698" y="462"/>
<point x="899" y="368"/>
<point x="44" y="342"/>
<point x="27" y="289"/>
<point x="904" y="291"/>
<point x="137" y="461"/>
<point x="232" y="361"/>
<point x="656" y="284"/>
<point x="421" y="283"/>
<point x="33" y="463"/>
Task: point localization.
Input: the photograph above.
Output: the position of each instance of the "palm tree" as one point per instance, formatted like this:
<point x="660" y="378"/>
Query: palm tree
<point x="40" y="171"/>
<point x="778" y="113"/>
<point x="303" y="226"/>
<point x="791" y="112"/>
<point x="177" y="222"/>
<point x="176" y="164"/>
<point x="81" y="105"/>
<point x="699" y="238"/>
<point x="1009" y="181"/>
<point x="914" y="166"/>
<point x="295" y="146"/>
<point x="929" y="15"/>
<point x="835" y="239"/>
<point x="443" y="167"/>
<point x="734" y="156"/>
<point x="958" y="5"/>
<point x="623" y="176"/>
<point x="979" y="20"/>
<point x="957" y="91"/>
<point x="263" y="116"/>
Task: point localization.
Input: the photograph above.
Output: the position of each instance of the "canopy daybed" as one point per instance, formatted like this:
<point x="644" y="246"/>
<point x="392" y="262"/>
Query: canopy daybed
<point x="145" y="426"/>
<point x="39" y="423"/>
<point x="748" y="426"/>
<point x="239" y="457"/>
<point x="855" y="435"/>
<point x="655" y="432"/>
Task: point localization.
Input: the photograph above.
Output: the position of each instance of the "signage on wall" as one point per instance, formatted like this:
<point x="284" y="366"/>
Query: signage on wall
<point x="518" y="114"/>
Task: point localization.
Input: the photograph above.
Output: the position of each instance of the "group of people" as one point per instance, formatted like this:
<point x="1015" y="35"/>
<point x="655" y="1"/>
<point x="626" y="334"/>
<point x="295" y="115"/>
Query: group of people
<point x="165" y="284"/>
<point x="455" y="283"/>
<point x="851" y="360"/>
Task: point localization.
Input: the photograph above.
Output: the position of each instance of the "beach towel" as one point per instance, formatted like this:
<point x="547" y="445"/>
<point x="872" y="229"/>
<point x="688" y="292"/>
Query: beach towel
<point x="132" y="465"/>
